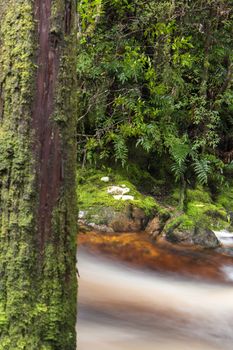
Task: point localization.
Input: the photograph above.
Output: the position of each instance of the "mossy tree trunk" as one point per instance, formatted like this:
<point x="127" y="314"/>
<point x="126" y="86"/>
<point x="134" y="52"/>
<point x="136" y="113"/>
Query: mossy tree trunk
<point x="37" y="175"/>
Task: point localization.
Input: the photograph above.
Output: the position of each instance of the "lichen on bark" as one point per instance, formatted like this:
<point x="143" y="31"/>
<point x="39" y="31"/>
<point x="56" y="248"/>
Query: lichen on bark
<point x="37" y="145"/>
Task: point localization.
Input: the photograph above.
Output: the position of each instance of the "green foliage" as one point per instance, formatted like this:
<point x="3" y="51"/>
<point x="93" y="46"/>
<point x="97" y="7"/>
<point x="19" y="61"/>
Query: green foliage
<point x="201" y="169"/>
<point x="199" y="194"/>
<point x="225" y="198"/>
<point x="92" y="192"/>
<point x="156" y="78"/>
<point x="179" y="151"/>
<point x="120" y="148"/>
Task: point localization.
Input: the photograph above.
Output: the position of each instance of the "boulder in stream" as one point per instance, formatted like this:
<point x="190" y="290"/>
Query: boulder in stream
<point x="182" y="230"/>
<point x="205" y="238"/>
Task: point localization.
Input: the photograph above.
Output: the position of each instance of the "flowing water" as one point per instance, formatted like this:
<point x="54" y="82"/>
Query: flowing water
<point x="122" y="307"/>
<point x="225" y="237"/>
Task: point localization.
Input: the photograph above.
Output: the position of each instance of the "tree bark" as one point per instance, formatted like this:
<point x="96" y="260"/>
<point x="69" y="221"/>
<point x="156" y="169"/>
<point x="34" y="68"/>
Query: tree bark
<point x="37" y="175"/>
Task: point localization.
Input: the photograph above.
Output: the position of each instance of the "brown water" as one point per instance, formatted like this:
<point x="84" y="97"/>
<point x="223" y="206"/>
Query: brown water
<point x="136" y="306"/>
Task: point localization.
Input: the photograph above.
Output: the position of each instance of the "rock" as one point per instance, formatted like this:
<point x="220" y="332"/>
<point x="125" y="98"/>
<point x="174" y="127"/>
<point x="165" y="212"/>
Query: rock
<point x="178" y="235"/>
<point x="205" y="238"/>
<point x="132" y="220"/>
<point x="100" y="228"/>
<point x="138" y="213"/>
<point x="108" y="219"/>
<point x="81" y="214"/>
<point x="123" y="197"/>
<point x="125" y="224"/>
<point x="154" y="227"/>
<point x="105" y="179"/>
<point x="118" y="190"/>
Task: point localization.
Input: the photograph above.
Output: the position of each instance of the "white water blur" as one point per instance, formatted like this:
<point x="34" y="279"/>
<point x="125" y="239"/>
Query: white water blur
<point x="121" y="308"/>
<point x="228" y="272"/>
<point x="225" y="237"/>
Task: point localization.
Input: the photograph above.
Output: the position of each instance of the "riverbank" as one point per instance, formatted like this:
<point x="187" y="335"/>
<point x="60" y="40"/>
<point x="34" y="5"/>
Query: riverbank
<point x="140" y="251"/>
<point x="113" y="201"/>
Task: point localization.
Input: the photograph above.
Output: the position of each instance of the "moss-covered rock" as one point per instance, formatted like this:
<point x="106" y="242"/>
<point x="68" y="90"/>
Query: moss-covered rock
<point x="202" y="216"/>
<point x="179" y="228"/>
<point x="183" y="229"/>
<point x="100" y="209"/>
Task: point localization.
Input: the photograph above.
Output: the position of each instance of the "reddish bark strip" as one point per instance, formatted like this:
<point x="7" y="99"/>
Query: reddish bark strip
<point x="68" y="10"/>
<point x="48" y="145"/>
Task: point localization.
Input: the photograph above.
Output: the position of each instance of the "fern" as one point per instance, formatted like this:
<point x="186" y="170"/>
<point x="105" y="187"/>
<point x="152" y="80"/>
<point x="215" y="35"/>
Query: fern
<point x="120" y="149"/>
<point x="202" y="169"/>
<point x="178" y="170"/>
<point x="179" y="152"/>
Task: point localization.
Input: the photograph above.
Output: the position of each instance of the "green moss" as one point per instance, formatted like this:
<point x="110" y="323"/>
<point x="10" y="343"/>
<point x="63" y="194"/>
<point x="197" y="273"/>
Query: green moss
<point x="17" y="228"/>
<point x="225" y="198"/>
<point x="38" y="289"/>
<point x="92" y="192"/>
<point x="199" y="194"/>
<point x="57" y="11"/>
<point x="201" y="211"/>
<point x="139" y="177"/>
<point x="207" y="215"/>
<point x="58" y="281"/>
<point x="182" y="221"/>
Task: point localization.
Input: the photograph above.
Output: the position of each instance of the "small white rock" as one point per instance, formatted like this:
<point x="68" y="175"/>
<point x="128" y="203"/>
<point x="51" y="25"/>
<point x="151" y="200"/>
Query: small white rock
<point x="127" y="198"/>
<point x="81" y="214"/>
<point x="117" y="197"/>
<point x="105" y="179"/>
<point x="118" y="190"/>
<point x="123" y="197"/>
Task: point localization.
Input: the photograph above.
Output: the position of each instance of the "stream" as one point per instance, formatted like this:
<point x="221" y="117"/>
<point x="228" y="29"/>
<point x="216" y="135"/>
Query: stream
<point x="126" y="305"/>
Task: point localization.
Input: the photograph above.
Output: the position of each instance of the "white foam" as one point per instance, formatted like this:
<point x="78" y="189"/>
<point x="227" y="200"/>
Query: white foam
<point x="123" y="303"/>
<point x="228" y="271"/>
<point x="225" y="237"/>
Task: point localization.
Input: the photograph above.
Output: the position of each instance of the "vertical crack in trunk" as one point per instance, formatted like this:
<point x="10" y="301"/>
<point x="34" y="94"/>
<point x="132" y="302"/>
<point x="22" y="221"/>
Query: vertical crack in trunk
<point x="48" y="145"/>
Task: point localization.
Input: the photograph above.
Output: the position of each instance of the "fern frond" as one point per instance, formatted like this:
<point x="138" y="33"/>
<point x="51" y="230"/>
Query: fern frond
<point x="120" y="149"/>
<point x="179" y="152"/>
<point x="202" y="169"/>
<point x="178" y="170"/>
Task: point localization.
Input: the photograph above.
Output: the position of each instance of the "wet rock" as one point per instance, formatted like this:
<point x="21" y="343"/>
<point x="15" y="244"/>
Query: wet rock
<point x="154" y="227"/>
<point x="179" y="235"/>
<point x="125" y="224"/>
<point x="109" y="219"/>
<point x="100" y="228"/>
<point x="138" y="213"/>
<point x="133" y="219"/>
<point x="196" y="236"/>
<point x="205" y="238"/>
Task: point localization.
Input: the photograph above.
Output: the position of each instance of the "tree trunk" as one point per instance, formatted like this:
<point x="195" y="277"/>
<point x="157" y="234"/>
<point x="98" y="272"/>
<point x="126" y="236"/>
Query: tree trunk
<point x="37" y="175"/>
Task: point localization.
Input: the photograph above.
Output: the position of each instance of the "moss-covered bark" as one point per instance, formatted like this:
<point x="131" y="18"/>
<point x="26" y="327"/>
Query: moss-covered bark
<point x="37" y="175"/>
